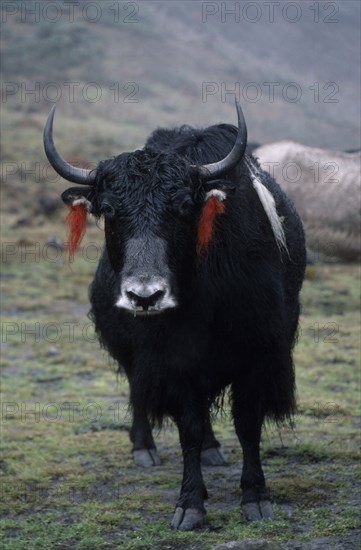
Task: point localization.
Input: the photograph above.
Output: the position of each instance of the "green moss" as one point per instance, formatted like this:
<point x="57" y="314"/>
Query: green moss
<point x="299" y="488"/>
<point x="311" y="272"/>
<point x="333" y="521"/>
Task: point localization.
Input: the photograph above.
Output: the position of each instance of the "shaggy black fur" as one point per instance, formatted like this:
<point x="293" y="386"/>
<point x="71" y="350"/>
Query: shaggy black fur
<point x="238" y="310"/>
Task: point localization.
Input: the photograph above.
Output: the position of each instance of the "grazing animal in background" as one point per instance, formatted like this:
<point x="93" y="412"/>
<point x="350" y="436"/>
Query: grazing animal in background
<point x="325" y="188"/>
<point x="197" y="290"/>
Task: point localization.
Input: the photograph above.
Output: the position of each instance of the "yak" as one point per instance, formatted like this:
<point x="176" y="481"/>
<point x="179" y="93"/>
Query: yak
<point x="196" y="293"/>
<point x="325" y="188"/>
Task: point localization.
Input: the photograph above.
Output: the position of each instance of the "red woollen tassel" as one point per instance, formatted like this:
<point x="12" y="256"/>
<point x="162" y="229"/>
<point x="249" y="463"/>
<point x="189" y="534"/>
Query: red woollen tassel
<point x="76" y="220"/>
<point x="212" y="207"/>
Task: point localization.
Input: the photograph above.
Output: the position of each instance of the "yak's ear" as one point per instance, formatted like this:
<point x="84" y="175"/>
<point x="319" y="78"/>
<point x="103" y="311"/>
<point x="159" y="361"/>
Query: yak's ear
<point x="77" y="200"/>
<point x="75" y="194"/>
<point x="226" y="187"/>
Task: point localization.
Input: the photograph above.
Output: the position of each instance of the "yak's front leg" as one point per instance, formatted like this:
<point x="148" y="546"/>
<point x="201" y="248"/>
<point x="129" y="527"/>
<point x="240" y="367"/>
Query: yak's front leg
<point x="190" y="511"/>
<point x="248" y="422"/>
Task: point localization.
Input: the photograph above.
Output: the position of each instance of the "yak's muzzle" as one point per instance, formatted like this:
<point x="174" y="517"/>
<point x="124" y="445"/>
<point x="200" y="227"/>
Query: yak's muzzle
<point x="145" y="281"/>
<point x="146" y="295"/>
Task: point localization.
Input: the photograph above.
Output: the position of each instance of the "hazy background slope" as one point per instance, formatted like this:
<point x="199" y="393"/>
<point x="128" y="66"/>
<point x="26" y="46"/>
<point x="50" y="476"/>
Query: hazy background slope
<point x="119" y="69"/>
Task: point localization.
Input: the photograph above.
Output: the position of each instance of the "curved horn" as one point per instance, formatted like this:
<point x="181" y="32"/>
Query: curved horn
<point x="63" y="168"/>
<point x="216" y="169"/>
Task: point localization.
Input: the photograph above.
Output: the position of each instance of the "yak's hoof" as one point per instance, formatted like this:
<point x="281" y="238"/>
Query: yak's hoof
<point x="213" y="457"/>
<point x="146" y="458"/>
<point x="187" y="519"/>
<point x="254" y="511"/>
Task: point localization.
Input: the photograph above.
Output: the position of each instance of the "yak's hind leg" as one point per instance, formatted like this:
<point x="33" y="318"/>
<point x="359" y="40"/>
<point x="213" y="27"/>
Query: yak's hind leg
<point x="211" y="454"/>
<point x="248" y="422"/>
<point x="144" y="450"/>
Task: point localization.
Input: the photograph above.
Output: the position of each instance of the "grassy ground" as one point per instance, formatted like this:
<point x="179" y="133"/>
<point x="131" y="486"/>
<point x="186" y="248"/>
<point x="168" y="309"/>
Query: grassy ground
<point x="68" y="480"/>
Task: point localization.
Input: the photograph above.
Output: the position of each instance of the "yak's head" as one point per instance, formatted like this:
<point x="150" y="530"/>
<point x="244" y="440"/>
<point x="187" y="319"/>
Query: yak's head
<point x="158" y="211"/>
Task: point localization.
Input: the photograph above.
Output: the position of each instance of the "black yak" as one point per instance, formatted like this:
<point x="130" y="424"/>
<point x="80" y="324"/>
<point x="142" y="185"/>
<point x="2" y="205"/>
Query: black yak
<point x="197" y="290"/>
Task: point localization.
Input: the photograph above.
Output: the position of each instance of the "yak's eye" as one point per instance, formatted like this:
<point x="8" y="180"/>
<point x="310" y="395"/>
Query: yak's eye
<point x="186" y="206"/>
<point x="107" y="210"/>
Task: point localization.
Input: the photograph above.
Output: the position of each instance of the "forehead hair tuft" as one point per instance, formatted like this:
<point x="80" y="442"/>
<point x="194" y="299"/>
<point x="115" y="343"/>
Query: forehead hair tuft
<point x="146" y="167"/>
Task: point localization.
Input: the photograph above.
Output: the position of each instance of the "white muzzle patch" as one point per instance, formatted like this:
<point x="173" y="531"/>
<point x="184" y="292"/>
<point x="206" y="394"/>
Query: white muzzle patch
<point x="145" y="296"/>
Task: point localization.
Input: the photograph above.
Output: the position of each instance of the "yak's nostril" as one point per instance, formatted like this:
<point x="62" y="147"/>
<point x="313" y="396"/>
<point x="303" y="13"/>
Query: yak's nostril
<point x="145" y="302"/>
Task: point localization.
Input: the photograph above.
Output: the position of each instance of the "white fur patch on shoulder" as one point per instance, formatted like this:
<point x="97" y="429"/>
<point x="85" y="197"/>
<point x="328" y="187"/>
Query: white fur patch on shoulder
<point x="269" y="206"/>
<point x="216" y="193"/>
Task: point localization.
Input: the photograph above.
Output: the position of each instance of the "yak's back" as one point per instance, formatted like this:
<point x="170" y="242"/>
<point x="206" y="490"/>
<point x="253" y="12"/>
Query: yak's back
<point x="199" y="146"/>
